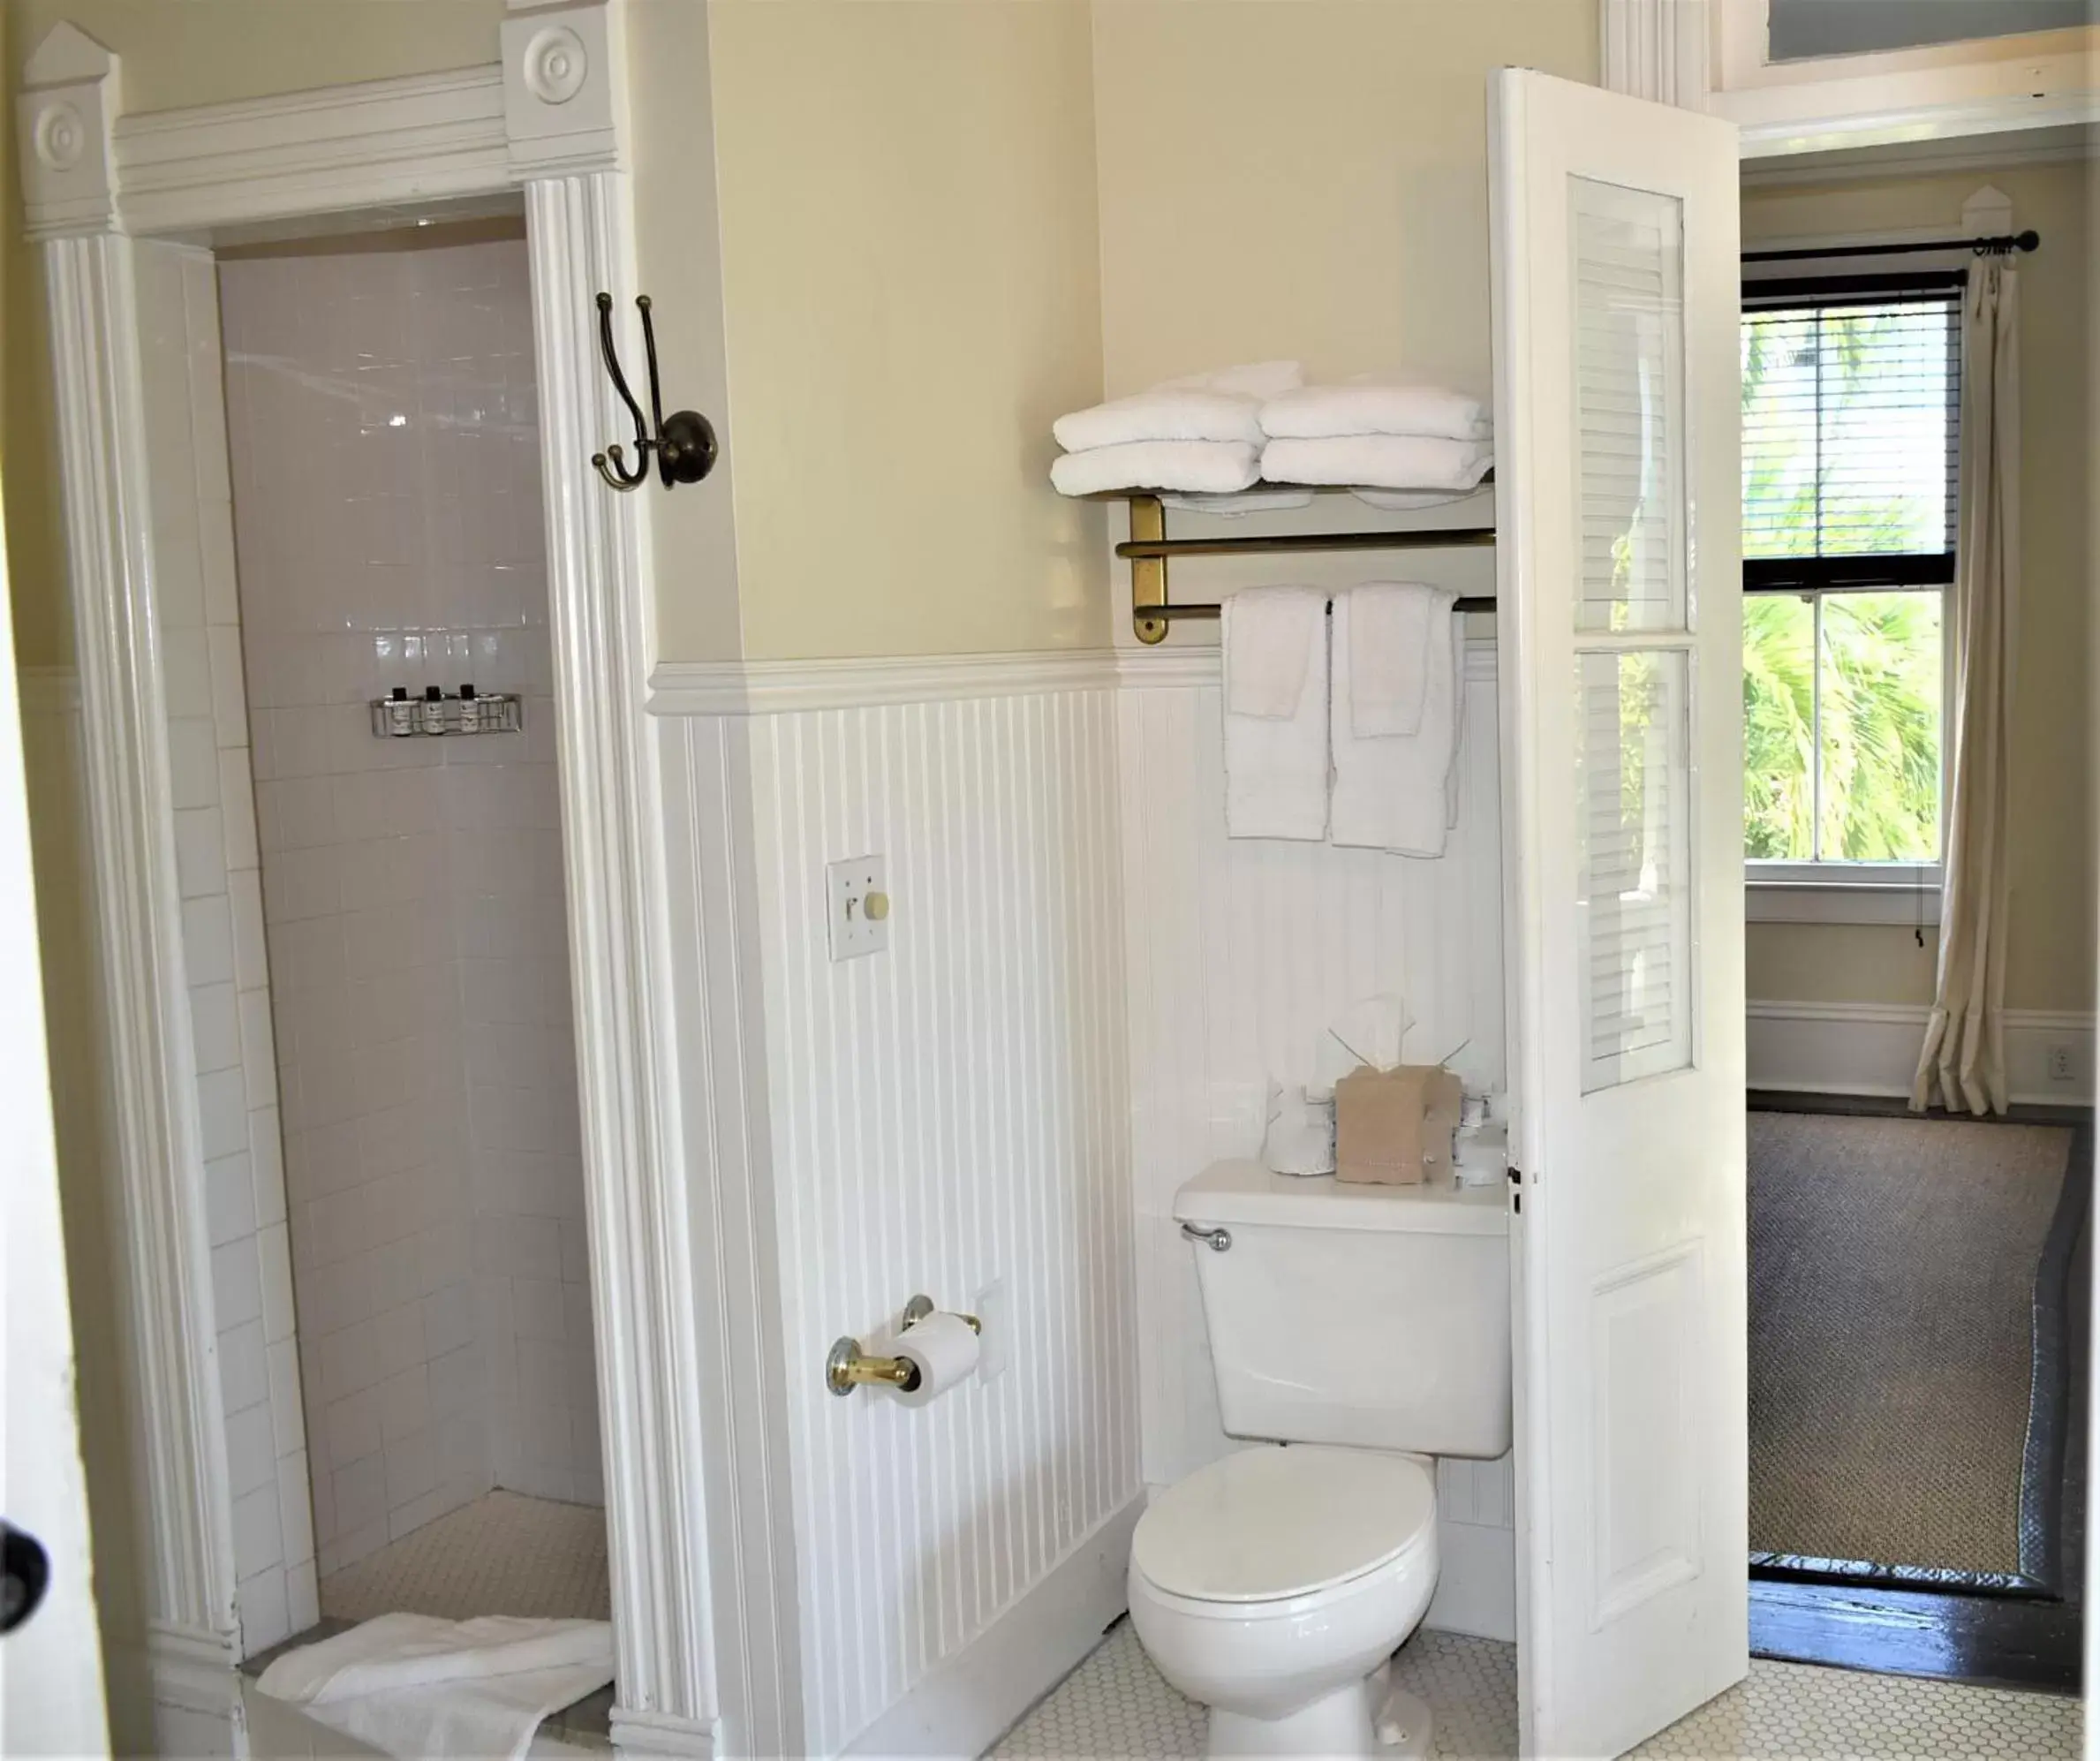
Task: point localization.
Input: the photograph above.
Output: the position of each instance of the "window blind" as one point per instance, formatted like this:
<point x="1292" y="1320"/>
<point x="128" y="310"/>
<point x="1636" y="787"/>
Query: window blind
<point x="1850" y="440"/>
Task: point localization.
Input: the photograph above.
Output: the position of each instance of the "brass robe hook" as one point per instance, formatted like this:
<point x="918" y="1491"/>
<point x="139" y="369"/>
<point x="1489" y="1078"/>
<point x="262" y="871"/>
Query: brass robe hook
<point x="684" y="442"/>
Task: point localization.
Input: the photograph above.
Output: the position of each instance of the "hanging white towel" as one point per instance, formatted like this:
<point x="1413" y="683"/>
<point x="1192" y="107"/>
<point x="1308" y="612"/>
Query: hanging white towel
<point x="1392" y="791"/>
<point x="1203" y="467"/>
<point x="415" y="1686"/>
<point x="1374" y="406"/>
<point x="1256" y="500"/>
<point x="1225" y="405"/>
<point x="1389" y="654"/>
<point x="1275" y="643"/>
<point x="1411" y="500"/>
<point x="1381" y="461"/>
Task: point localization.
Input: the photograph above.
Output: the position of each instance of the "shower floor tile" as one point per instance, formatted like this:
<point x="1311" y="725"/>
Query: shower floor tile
<point x="504" y="1553"/>
<point x="1116" y="1704"/>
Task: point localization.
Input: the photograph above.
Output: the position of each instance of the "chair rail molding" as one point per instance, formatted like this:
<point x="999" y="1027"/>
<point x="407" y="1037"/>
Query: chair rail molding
<point x="546" y="122"/>
<point x="1656" y="49"/>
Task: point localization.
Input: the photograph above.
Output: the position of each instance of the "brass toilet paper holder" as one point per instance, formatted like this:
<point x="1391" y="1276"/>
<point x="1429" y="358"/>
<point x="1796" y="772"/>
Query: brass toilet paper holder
<point x="846" y="1368"/>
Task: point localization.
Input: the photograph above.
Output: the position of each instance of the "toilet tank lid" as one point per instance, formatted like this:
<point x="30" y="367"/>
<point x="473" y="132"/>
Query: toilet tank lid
<point x="1247" y="1192"/>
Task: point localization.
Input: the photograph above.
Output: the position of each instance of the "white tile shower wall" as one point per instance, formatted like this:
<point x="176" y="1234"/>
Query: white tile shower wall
<point x="383" y="422"/>
<point x="223" y="947"/>
<point x="1240" y="953"/>
<point x="946" y="1114"/>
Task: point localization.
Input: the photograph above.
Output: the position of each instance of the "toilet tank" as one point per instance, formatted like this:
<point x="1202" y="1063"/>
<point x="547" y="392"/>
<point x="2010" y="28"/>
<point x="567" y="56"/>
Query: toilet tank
<point x="1370" y="1316"/>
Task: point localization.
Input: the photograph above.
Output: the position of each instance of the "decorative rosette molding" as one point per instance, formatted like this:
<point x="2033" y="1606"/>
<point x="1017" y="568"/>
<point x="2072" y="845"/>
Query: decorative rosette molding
<point x="66" y="116"/>
<point x="564" y="89"/>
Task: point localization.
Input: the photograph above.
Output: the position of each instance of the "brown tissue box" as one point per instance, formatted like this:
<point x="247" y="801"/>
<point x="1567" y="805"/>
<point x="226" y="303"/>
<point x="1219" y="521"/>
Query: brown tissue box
<point x="1393" y="1128"/>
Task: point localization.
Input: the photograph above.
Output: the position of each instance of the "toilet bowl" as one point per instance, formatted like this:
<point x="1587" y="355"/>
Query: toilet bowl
<point x="1273" y="1585"/>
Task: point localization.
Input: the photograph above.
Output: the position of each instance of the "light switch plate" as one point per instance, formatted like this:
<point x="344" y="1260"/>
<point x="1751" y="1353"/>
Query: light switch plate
<point x="849" y="886"/>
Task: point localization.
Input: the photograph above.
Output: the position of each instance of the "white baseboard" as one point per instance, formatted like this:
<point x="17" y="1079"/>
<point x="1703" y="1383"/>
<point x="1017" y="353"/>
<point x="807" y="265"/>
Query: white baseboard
<point x="1475" y="1581"/>
<point x="652" y="1734"/>
<point x="1872" y="1048"/>
<point x="962" y="1706"/>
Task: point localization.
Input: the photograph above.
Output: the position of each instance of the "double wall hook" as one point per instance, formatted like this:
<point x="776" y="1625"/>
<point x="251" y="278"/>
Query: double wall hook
<point x="683" y="441"/>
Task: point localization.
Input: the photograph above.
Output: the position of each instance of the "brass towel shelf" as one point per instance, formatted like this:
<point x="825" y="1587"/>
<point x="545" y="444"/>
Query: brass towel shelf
<point x="1148" y="550"/>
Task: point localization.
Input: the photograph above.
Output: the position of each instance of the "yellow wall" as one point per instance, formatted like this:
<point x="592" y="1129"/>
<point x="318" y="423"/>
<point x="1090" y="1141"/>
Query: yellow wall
<point x="1305" y="179"/>
<point x="910" y="295"/>
<point x="2051" y="963"/>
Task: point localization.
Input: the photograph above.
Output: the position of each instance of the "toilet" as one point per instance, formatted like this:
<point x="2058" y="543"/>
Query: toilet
<point x="1356" y="1332"/>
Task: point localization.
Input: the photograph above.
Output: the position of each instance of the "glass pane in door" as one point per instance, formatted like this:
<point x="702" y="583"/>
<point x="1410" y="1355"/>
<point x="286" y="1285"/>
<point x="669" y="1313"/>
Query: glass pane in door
<point x="1629" y="438"/>
<point x="1634" y="809"/>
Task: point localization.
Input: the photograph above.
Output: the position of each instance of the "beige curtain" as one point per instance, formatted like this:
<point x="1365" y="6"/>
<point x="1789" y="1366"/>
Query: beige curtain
<point x="1963" y="1063"/>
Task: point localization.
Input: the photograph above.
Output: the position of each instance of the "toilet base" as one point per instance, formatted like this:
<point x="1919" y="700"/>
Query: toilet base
<point x="1337" y="1724"/>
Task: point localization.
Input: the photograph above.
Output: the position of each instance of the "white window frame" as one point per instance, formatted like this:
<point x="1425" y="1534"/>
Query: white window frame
<point x="1833" y="889"/>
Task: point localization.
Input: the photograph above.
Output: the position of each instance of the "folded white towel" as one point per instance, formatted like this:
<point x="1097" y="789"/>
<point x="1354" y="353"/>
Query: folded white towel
<point x="1225" y="405"/>
<point x="1275" y="766"/>
<point x="1388" y="655"/>
<point x="1382" y="461"/>
<point x="1374" y="406"/>
<point x="1392" y="791"/>
<point x="412" y="1685"/>
<point x="1206" y="467"/>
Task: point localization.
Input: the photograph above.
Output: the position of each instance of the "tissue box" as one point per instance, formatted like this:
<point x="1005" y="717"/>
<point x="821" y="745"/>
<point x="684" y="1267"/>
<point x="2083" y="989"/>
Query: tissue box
<point x="1393" y="1128"/>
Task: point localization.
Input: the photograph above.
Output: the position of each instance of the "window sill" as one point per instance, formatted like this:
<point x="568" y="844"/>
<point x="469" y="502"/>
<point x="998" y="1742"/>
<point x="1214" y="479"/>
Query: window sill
<point x="1911" y="900"/>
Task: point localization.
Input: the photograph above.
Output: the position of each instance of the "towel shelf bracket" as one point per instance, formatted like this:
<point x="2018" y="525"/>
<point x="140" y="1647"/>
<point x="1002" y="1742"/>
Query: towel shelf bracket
<point x="1148" y="550"/>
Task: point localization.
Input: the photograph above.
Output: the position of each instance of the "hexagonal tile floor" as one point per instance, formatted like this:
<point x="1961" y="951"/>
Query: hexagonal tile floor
<point x="1115" y="1706"/>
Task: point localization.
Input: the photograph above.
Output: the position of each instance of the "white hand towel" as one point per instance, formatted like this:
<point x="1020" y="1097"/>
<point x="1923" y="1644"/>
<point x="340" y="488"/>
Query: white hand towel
<point x="1276" y="765"/>
<point x="1225" y="405"/>
<point x="1392" y="790"/>
<point x="412" y="1685"/>
<point x="1374" y="406"/>
<point x="1381" y="461"/>
<point x="1257" y="501"/>
<point x="1411" y="500"/>
<point x="1203" y="467"/>
<point x="1389" y="654"/>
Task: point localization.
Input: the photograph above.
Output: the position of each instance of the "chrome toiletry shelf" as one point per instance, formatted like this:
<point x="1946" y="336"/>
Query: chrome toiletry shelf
<point x="1148" y="549"/>
<point x="400" y="716"/>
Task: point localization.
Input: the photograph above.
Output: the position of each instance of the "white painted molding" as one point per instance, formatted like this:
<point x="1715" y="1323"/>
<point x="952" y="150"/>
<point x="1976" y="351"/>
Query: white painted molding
<point x="381" y="143"/>
<point x="1973" y="154"/>
<point x="1656" y="49"/>
<point x="564" y="92"/>
<point x="783" y="687"/>
<point x="1872" y="1048"/>
<point x="963" y="1705"/>
<point x="780" y="687"/>
<point x="72" y="92"/>
<point x="579" y="232"/>
<point x="186" y="1548"/>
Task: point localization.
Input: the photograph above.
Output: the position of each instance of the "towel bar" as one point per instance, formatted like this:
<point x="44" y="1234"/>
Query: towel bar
<point x="1148" y="549"/>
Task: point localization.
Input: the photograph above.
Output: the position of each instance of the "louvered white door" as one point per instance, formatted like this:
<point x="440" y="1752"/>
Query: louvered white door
<point x="1620" y="632"/>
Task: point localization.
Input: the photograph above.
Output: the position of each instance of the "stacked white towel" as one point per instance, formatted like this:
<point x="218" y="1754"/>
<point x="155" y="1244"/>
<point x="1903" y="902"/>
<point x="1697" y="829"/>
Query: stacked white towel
<point x="1420" y="440"/>
<point x="1200" y="435"/>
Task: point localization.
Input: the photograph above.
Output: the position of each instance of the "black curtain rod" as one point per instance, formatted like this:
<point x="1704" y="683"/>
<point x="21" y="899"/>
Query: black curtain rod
<point x="2003" y="243"/>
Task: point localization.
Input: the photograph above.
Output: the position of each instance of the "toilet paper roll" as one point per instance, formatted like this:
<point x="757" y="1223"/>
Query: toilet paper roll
<point x="944" y="1347"/>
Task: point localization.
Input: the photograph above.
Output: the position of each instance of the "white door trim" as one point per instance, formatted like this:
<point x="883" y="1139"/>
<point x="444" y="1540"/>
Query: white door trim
<point x="546" y="120"/>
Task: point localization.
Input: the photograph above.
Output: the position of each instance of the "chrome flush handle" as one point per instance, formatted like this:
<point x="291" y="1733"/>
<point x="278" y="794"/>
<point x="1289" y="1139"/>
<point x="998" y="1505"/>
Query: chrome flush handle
<point x="1217" y="1240"/>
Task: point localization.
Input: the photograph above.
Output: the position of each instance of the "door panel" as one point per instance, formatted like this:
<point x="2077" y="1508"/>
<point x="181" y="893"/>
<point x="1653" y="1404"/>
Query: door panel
<point x="1620" y="632"/>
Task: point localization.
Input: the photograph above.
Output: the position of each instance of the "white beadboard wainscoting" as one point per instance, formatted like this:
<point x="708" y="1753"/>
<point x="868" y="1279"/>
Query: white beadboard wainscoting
<point x="1239" y="953"/>
<point x="947" y="1116"/>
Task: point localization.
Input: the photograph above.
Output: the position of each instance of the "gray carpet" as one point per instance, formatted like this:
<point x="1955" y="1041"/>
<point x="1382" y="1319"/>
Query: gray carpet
<point x="1893" y="1268"/>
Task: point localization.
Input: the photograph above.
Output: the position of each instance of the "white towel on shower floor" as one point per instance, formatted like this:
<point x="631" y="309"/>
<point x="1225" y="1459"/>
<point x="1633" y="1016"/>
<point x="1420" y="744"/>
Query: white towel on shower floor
<point x="415" y="1686"/>
<point x="1275" y="713"/>
<point x="1395" y="791"/>
<point x="1225" y="405"/>
<point x="1374" y="406"/>
<point x="1205" y="467"/>
<point x="1379" y="461"/>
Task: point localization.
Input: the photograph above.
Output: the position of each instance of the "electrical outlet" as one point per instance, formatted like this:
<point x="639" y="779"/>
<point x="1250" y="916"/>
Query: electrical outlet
<point x="991" y="1343"/>
<point x="2060" y="1063"/>
<point x="859" y="906"/>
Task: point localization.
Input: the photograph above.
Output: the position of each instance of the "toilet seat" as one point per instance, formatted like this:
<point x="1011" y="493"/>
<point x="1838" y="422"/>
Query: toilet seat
<point x="1271" y="1525"/>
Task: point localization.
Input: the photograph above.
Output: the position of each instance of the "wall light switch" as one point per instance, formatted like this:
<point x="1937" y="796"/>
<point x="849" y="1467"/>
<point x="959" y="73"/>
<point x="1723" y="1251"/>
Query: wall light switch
<point x="859" y="916"/>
